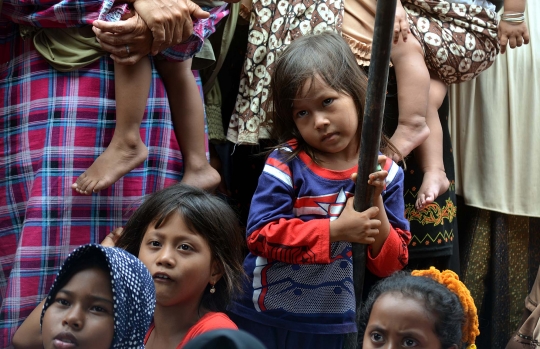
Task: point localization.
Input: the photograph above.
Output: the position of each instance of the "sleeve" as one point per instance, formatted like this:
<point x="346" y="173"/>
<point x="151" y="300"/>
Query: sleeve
<point x="394" y="254"/>
<point x="273" y="231"/>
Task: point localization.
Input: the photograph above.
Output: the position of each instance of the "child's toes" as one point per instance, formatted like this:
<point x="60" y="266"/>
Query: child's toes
<point x="79" y="181"/>
<point x="100" y="185"/>
<point x="90" y="187"/>
<point x="420" y="201"/>
<point x="86" y="186"/>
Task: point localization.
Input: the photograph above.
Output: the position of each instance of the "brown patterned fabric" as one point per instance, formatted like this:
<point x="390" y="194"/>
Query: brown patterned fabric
<point x="459" y="41"/>
<point x="500" y="255"/>
<point x="273" y="25"/>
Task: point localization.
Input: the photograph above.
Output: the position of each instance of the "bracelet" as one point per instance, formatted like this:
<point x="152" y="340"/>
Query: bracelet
<point x="517" y="17"/>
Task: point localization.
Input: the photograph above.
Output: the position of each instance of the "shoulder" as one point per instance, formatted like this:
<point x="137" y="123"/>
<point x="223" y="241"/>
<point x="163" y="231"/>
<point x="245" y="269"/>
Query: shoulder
<point x="212" y="321"/>
<point x="209" y="322"/>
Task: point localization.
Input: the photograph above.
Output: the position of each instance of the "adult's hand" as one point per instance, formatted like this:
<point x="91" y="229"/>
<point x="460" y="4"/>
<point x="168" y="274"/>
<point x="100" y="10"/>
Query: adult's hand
<point x="127" y="41"/>
<point x="169" y="20"/>
<point x="513" y="35"/>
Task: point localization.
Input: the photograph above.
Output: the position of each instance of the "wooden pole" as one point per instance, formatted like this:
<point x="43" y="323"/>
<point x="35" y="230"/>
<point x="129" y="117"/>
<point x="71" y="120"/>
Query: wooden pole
<point x="371" y="136"/>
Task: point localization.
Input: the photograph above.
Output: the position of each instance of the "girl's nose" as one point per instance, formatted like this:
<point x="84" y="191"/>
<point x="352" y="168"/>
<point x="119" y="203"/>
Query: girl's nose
<point x="166" y="258"/>
<point x="74" y="317"/>
<point x="320" y="121"/>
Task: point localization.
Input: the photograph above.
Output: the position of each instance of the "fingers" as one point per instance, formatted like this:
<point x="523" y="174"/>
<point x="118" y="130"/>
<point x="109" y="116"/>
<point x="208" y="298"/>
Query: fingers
<point x="187" y="30"/>
<point x="372" y="212"/>
<point x="111" y="239"/>
<point x="526" y="36"/>
<point x="112" y="39"/>
<point x="197" y="12"/>
<point x="396" y="32"/>
<point x="512" y="42"/>
<point x="118" y="51"/>
<point x="381" y="160"/>
<point x="369" y="236"/>
<point x="377" y="178"/>
<point x="120" y="27"/>
<point x="405" y="30"/>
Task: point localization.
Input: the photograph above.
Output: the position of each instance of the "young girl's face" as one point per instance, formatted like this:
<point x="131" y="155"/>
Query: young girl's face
<point x="81" y="315"/>
<point x="179" y="260"/>
<point x="326" y="119"/>
<point x="397" y="321"/>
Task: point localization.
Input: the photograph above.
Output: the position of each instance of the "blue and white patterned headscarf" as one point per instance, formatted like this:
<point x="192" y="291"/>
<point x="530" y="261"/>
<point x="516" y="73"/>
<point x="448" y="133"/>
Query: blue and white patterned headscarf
<point x="134" y="295"/>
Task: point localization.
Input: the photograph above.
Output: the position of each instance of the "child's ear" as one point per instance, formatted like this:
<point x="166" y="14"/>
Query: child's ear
<point x="216" y="271"/>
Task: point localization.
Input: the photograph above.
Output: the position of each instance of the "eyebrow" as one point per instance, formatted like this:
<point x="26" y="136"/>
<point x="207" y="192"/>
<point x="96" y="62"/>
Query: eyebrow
<point x="96" y="298"/>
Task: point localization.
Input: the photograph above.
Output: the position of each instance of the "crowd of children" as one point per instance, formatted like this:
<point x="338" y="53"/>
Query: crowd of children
<point x="174" y="272"/>
<point x="177" y="266"/>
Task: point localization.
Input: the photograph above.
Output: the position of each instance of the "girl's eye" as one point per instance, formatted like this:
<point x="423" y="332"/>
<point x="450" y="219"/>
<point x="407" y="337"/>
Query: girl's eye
<point x="376" y="337"/>
<point x="98" y="309"/>
<point x="154" y="243"/>
<point x="302" y="113"/>
<point x="185" y="247"/>
<point x="327" y="102"/>
<point x="409" y="342"/>
<point x="62" y="301"/>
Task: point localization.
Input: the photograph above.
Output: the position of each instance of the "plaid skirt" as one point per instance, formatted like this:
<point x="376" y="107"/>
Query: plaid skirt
<point x="53" y="126"/>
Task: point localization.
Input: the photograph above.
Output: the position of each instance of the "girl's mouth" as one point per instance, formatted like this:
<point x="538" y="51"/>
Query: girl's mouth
<point x="329" y="136"/>
<point x="65" y="340"/>
<point x="161" y="277"/>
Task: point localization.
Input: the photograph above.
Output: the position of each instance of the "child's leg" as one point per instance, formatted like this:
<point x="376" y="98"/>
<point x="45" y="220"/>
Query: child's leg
<point x="188" y="120"/>
<point x="430" y="153"/>
<point x="126" y="150"/>
<point x="412" y="78"/>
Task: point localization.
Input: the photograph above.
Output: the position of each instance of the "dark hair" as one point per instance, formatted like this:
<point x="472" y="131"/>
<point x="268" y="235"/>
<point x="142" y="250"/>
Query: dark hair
<point x="206" y="215"/>
<point x="437" y="298"/>
<point x="328" y="56"/>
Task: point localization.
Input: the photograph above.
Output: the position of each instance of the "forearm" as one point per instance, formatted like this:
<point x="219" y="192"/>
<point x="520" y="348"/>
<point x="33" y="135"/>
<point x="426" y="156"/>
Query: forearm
<point x="28" y="336"/>
<point x="384" y="229"/>
<point x="514" y="5"/>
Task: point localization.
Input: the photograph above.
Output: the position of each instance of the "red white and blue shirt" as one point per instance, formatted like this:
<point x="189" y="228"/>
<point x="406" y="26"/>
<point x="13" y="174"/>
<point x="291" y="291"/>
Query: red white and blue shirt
<point x="297" y="279"/>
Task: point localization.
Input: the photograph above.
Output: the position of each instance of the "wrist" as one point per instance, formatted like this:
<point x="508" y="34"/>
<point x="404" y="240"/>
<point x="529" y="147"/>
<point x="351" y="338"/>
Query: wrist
<point x="513" y="17"/>
<point x="335" y="231"/>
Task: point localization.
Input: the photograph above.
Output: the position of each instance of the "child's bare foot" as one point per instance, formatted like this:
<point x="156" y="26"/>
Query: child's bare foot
<point x="120" y="157"/>
<point x="434" y="184"/>
<point x="204" y="177"/>
<point x="408" y="137"/>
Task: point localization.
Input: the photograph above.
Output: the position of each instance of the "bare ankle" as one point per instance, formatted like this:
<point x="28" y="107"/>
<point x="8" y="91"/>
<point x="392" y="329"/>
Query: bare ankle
<point x="433" y="169"/>
<point x="416" y="122"/>
<point x="131" y="140"/>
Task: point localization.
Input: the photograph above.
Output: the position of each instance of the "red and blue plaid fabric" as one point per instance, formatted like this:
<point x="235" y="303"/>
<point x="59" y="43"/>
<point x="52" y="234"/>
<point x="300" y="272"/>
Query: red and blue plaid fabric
<point x="52" y="127"/>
